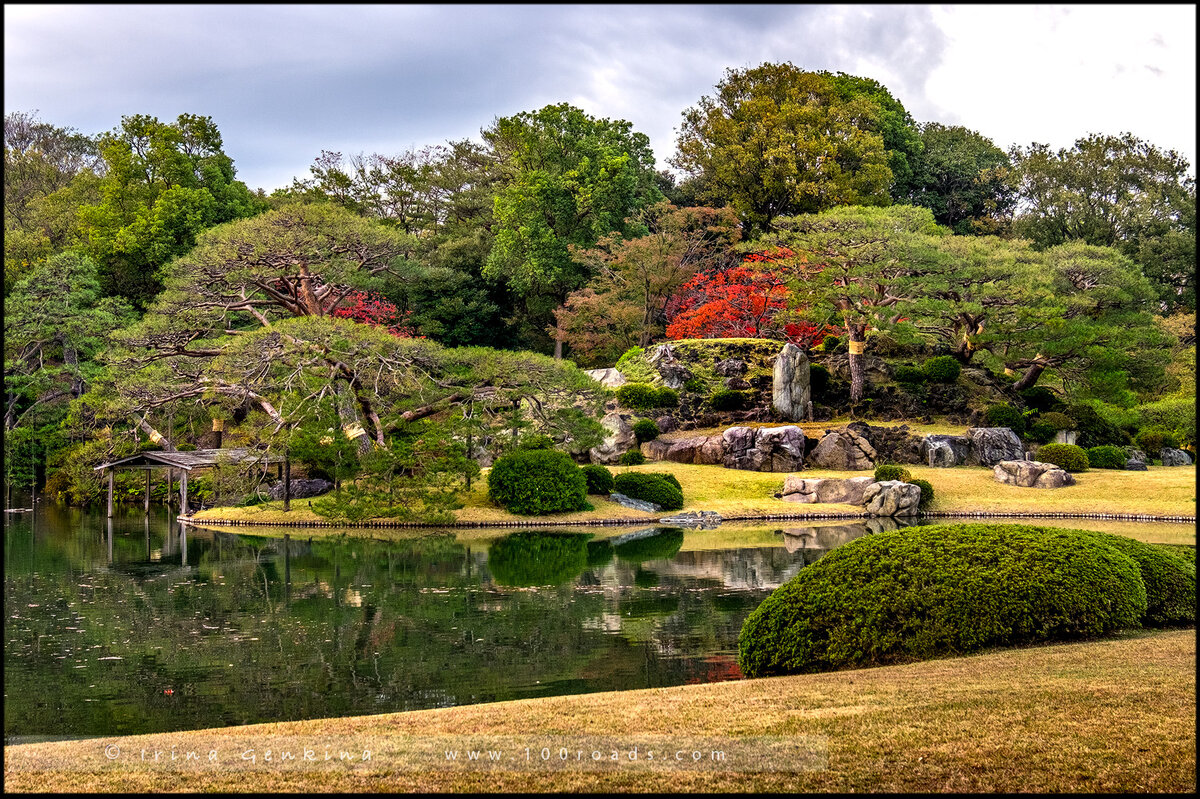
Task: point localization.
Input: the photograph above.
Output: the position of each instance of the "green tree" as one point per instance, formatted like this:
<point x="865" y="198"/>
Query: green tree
<point x="964" y="178"/>
<point x="1115" y="191"/>
<point x="570" y="179"/>
<point x="777" y="141"/>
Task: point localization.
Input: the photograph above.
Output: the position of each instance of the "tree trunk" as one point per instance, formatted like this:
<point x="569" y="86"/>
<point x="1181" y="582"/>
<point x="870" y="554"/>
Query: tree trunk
<point x="856" y="370"/>
<point x="1031" y="376"/>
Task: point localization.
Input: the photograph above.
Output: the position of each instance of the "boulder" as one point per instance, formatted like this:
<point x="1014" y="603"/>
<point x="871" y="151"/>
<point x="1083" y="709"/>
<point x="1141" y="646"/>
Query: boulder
<point x="681" y="450"/>
<point x="944" y="451"/>
<point x="844" y="450"/>
<point x="656" y="450"/>
<point x="991" y="445"/>
<point x="620" y="438"/>
<point x="636" y="504"/>
<point x="1134" y="465"/>
<point x="666" y="423"/>
<point x="609" y="378"/>
<point x="790" y="392"/>
<point x="835" y="490"/>
<point x="301" y="489"/>
<point x="672" y="370"/>
<point x="763" y="449"/>
<point x="712" y="452"/>
<point x="1174" y="457"/>
<point x="892" y="444"/>
<point x="730" y="367"/>
<point x="1032" y="474"/>
<point x="891" y="498"/>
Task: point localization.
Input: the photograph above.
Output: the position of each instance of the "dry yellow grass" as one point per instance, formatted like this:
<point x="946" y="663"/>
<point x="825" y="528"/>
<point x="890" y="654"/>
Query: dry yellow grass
<point x="1116" y="715"/>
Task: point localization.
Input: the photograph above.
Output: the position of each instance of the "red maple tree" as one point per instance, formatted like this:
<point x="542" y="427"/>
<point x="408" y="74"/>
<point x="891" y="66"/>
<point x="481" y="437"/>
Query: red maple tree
<point x="369" y="308"/>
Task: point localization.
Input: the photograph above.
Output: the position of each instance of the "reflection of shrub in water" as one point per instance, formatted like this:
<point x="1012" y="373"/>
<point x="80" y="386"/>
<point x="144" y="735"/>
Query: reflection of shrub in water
<point x="660" y="546"/>
<point x="529" y="559"/>
<point x="599" y="553"/>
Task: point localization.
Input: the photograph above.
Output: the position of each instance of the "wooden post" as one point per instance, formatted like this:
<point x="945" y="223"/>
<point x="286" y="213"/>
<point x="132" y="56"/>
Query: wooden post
<point x="182" y="544"/>
<point x="110" y="492"/>
<point x="287" y="566"/>
<point x="147" y="492"/>
<point x="110" y="539"/>
<point x="170" y="487"/>
<point x="287" y="481"/>
<point x="183" y="505"/>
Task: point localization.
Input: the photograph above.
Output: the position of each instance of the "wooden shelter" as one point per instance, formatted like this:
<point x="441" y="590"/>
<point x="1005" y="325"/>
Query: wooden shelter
<point x="185" y="462"/>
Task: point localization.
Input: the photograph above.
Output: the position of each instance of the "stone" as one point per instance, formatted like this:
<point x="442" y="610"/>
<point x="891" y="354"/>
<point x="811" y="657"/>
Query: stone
<point x="945" y="451"/>
<point x="891" y="498"/>
<point x="609" y="378"/>
<point x="763" y="449"/>
<point x="790" y="391"/>
<point x="672" y="370"/>
<point x="844" y="450"/>
<point x="1031" y="474"/>
<point x="1065" y="436"/>
<point x="1134" y="465"/>
<point x="681" y="450"/>
<point x="712" y="452"/>
<point x="891" y="444"/>
<point x="991" y="445"/>
<point x="619" y="439"/>
<point x="1135" y="454"/>
<point x="1174" y="457"/>
<point x="636" y="504"/>
<point x="730" y="367"/>
<point x="666" y="423"/>
<point x="301" y="489"/>
<point x="656" y="450"/>
<point x="703" y="519"/>
<point x="834" y="490"/>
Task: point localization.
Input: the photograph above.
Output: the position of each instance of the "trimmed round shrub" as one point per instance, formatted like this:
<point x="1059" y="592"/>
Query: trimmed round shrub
<point x="599" y="479"/>
<point x="1060" y="421"/>
<point x="1070" y="457"/>
<point x="632" y="457"/>
<point x="638" y="395"/>
<point x="1094" y="429"/>
<point x="889" y="471"/>
<point x="1041" y="399"/>
<point x="1170" y="580"/>
<point x="1041" y="432"/>
<point x="1106" y="456"/>
<point x="537" y="481"/>
<point x="666" y="397"/>
<point x="645" y="430"/>
<point x="929" y="591"/>
<point x="942" y="369"/>
<point x="528" y="559"/>
<point x="818" y="378"/>
<point x="831" y="343"/>
<point x="1005" y="416"/>
<point x="649" y="487"/>
<point x="728" y="400"/>
<point x="926" y="492"/>
<point x="910" y="375"/>
<point x="536" y="441"/>
<point x="670" y="478"/>
<point x="1153" y="439"/>
<point x="662" y="545"/>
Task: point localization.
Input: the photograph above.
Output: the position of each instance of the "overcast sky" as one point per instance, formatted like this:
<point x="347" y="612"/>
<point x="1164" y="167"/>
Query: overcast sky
<point x="284" y="82"/>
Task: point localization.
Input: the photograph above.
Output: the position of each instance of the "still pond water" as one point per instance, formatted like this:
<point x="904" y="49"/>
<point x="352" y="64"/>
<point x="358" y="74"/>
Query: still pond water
<point x="150" y="628"/>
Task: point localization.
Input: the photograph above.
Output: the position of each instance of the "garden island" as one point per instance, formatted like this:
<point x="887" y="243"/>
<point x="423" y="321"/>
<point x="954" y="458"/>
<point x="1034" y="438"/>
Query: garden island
<point x="864" y="437"/>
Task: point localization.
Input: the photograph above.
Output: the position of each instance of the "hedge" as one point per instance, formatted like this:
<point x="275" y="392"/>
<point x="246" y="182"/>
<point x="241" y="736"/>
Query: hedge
<point x="942" y="369"/>
<point x="1071" y="457"/>
<point x="599" y="479"/>
<point x="729" y="400"/>
<point x="650" y="487"/>
<point x="929" y="591"/>
<point x="1106" y="456"/>
<point x="910" y="375"/>
<point x="926" y="492"/>
<point x="539" y="481"/>
<point x="1170" y="581"/>
<point x="1005" y="416"/>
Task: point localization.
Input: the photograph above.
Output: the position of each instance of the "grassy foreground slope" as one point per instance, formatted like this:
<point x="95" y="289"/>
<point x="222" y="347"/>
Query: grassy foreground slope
<point x="1115" y="715"/>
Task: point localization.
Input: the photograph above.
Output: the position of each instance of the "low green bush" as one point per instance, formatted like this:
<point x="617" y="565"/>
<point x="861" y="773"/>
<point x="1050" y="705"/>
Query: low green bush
<point x="1060" y="421"/>
<point x="1041" y="432"/>
<point x="729" y="400"/>
<point x="633" y="457"/>
<point x="650" y="487"/>
<point x="818" y="379"/>
<point x="1106" y="456"/>
<point x="1041" y="399"/>
<point x="830" y="343"/>
<point x="889" y="471"/>
<point x="538" y="481"/>
<point x="1151" y="440"/>
<point x="926" y="492"/>
<point x="1070" y="457"/>
<point x="645" y="430"/>
<point x="639" y="396"/>
<point x="910" y="375"/>
<point x="666" y="397"/>
<point x="1004" y="415"/>
<point x="1170" y="581"/>
<point x="942" y="369"/>
<point x="670" y="478"/>
<point x="599" y="479"/>
<point x="1094" y="429"/>
<point x="936" y="590"/>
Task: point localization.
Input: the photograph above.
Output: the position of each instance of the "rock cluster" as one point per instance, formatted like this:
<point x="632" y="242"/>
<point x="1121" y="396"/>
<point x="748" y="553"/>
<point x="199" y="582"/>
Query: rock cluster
<point x="945" y="451"/>
<point x="891" y="498"/>
<point x="847" y="490"/>
<point x="1032" y="474"/>
<point x="756" y="449"/>
<point x="844" y="450"/>
<point x="703" y="519"/>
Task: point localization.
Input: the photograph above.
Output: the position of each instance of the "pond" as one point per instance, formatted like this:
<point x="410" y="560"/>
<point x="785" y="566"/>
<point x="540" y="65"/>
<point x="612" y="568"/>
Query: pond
<point x="138" y="626"/>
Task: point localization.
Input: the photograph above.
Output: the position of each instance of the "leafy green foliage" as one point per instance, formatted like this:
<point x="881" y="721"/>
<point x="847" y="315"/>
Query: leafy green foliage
<point x="910" y="375"/>
<point x="889" y="471"/>
<point x="936" y="590"/>
<point x="633" y="457"/>
<point x="1106" y="457"/>
<point x="1059" y="421"/>
<point x="651" y="487"/>
<point x="643" y="396"/>
<point x="536" y="441"/>
<point x="537" y="482"/>
<point x="831" y="343"/>
<point x="1169" y="579"/>
<point x="525" y="560"/>
<point x="728" y="400"/>
<point x="1177" y="414"/>
<point x="634" y="366"/>
<point x="1071" y="457"/>
<point x="645" y="430"/>
<point x="1153" y="439"/>
<point x="941" y="369"/>
<point x="599" y="479"/>
<point x="926" y="492"/>
<point x="1041" y="399"/>
<point x="1004" y="415"/>
<point x="964" y="178"/>
<point x="1094" y="429"/>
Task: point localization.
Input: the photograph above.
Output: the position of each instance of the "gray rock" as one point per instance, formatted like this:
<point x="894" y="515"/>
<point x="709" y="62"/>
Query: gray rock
<point x="636" y="504"/>
<point x="1031" y="474"/>
<point x="681" y="450"/>
<point x="730" y="367"/>
<point x="666" y="423"/>
<point x="991" y="445"/>
<point x="620" y="438"/>
<point x="1133" y="453"/>
<point x="656" y="450"/>
<point x="763" y="449"/>
<point x="1134" y="465"/>
<point x="1174" y="457"/>
<point x="836" y="490"/>
<point x="844" y="450"/>
<point x="301" y="489"/>
<point x="945" y="451"/>
<point x="672" y="370"/>
<point x="609" y="378"/>
<point x="891" y="498"/>
<point x="703" y="519"/>
<point x="790" y="392"/>
<point x="712" y="452"/>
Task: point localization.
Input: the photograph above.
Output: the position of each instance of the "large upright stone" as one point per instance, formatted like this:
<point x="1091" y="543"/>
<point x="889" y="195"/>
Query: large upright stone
<point x="990" y="445"/>
<point x="790" y="392"/>
<point x="945" y="451"/>
<point x="620" y="438"/>
<point x="844" y="450"/>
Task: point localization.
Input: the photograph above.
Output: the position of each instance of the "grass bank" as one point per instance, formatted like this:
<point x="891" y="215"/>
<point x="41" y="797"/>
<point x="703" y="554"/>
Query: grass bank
<point x="1113" y="716"/>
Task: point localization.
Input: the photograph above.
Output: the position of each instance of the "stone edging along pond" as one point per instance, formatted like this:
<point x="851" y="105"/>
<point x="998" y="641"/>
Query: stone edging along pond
<point x="1123" y="517"/>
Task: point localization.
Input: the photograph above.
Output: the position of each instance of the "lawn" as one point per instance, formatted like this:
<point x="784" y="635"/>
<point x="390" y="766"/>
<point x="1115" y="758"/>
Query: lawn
<point x="1104" y="716"/>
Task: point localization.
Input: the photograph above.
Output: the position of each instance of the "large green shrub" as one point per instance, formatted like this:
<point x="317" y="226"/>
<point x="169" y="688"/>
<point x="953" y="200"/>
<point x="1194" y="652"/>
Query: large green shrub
<point x="887" y="471"/>
<point x="1177" y="414"/>
<point x="1106" y="456"/>
<point x="534" y="482"/>
<point x="1041" y="399"/>
<point x="1093" y="429"/>
<point x="910" y="375"/>
<point x="1170" y="581"/>
<point x="650" y="487"/>
<point x="632" y="457"/>
<point x="942" y="369"/>
<point x="926" y="492"/>
<point x="1004" y="415"/>
<point x="530" y="559"/>
<point x="729" y="400"/>
<point x="599" y="479"/>
<point x="830" y="343"/>
<point x="923" y="592"/>
<point x="1152" y="439"/>
<point x="1070" y="457"/>
<point x="536" y="441"/>
<point x="638" y="395"/>
<point x="666" y="397"/>
<point x="1060" y="421"/>
<point x="645" y="430"/>
<point x="1041" y="432"/>
<point x="818" y="379"/>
